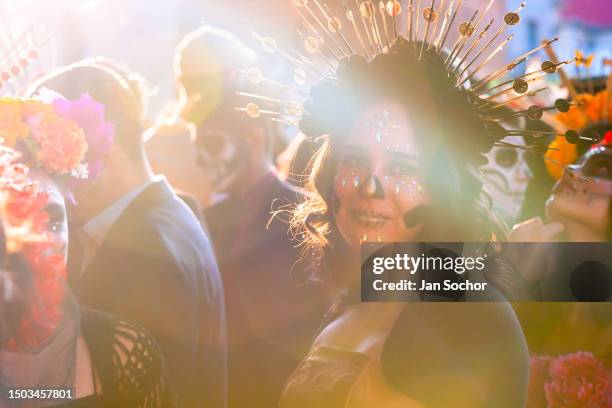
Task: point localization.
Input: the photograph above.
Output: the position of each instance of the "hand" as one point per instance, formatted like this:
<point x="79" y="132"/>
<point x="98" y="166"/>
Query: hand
<point x="534" y="230"/>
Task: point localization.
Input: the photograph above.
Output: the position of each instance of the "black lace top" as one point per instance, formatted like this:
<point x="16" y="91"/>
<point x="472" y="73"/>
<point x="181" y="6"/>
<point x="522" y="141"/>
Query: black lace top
<point x="127" y="365"/>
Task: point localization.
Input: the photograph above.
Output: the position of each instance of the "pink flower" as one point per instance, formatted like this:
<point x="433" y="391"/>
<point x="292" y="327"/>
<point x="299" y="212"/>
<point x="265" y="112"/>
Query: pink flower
<point x="99" y="134"/>
<point x="538" y="377"/>
<point x="579" y="380"/>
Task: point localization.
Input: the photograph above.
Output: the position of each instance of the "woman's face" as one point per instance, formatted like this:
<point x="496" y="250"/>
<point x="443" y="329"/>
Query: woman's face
<point x="378" y="178"/>
<point x="57" y="226"/>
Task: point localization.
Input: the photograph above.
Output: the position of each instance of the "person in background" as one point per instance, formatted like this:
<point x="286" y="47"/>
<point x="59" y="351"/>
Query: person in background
<point x="46" y="337"/>
<point x="272" y="310"/>
<point x="137" y="251"/>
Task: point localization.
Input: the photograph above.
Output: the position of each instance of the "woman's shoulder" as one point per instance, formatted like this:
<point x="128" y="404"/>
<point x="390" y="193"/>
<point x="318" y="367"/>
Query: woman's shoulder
<point x="119" y="336"/>
<point x="471" y="348"/>
<point x="126" y="358"/>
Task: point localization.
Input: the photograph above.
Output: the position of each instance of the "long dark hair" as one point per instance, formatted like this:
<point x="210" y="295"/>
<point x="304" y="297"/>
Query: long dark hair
<point x="451" y="139"/>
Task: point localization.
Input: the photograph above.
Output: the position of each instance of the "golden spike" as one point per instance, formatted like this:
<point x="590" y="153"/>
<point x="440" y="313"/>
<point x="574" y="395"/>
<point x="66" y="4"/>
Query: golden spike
<point x="254" y="111"/>
<point x="441" y="45"/>
<point x="532" y="149"/>
<point x="365" y="27"/>
<point x="394" y="9"/>
<point x="547" y="67"/>
<point x="430" y="15"/>
<point x="434" y="30"/>
<point x="484" y="14"/>
<point x="512" y="65"/>
<point x="515" y="99"/>
<point x="537" y="133"/>
<point x="482" y="50"/>
<point x="499" y="48"/>
<point x="312" y="44"/>
<point x="418" y="15"/>
<point x="265" y="98"/>
<point x="562" y="75"/>
<point x="511" y="18"/>
<point x="447" y="16"/>
<point x="367" y="11"/>
<point x="308" y="63"/>
<point x="482" y="34"/>
<point x="535" y="112"/>
<point x="268" y="44"/>
<point x="350" y="16"/>
<point x="255" y="76"/>
<point x="466" y="30"/>
<point x="376" y="29"/>
<point x="316" y="32"/>
<point x="410" y="20"/>
<point x="383" y="15"/>
<point x="322" y="26"/>
<point x="519" y="86"/>
<point x="335" y="25"/>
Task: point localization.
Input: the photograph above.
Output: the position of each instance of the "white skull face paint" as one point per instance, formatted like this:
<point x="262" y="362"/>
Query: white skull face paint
<point x="506" y="178"/>
<point x="222" y="156"/>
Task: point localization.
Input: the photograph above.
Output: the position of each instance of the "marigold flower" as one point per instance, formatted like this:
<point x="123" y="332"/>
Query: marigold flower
<point x="12" y="127"/>
<point x="61" y="145"/>
<point x="562" y="152"/>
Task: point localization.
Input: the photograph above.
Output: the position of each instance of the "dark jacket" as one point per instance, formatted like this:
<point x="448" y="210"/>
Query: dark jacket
<point x="156" y="268"/>
<point x="272" y="312"/>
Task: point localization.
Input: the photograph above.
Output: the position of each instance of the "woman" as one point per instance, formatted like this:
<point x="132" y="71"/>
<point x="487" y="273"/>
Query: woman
<point x="49" y="340"/>
<point x="400" y="165"/>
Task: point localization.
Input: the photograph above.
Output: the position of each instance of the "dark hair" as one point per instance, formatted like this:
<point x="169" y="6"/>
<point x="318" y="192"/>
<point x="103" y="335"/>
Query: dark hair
<point x="109" y="85"/>
<point x="453" y="140"/>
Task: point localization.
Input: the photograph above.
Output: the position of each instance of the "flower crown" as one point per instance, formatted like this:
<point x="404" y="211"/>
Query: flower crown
<point x="24" y="220"/>
<point x="62" y="137"/>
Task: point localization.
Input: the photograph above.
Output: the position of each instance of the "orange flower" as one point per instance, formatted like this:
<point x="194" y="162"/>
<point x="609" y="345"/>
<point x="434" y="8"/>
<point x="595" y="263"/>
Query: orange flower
<point x="12" y="127"/>
<point x="590" y="109"/>
<point x="61" y="144"/>
<point x="562" y="152"/>
<point x="32" y="107"/>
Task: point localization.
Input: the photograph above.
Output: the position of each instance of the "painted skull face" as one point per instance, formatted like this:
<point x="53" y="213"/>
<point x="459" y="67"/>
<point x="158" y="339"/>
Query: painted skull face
<point x="506" y="178"/>
<point x="222" y="152"/>
<point x="583" y="194"/>
<point x="378" y="178"/>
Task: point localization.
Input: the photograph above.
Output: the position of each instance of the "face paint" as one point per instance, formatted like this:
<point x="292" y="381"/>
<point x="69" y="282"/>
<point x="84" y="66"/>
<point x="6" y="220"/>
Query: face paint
<point x="506" y="178"/>
<point x="583" y="194"/>
<point x="222" y="155"/>
<point x="55" y="208"/>
<point x="378" y="178"/>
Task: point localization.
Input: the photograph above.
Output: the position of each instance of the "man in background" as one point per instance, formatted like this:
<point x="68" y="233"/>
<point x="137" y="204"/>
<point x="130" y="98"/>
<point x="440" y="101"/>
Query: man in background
<point x="272" y="313"/>
<point x="136" y="250"/>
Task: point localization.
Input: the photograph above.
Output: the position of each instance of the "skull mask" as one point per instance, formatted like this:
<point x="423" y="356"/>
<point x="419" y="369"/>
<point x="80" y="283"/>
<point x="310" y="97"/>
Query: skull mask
<point x="223" y="152"/>
<point x="583" y="194"/>
<point x="506" y="177"/>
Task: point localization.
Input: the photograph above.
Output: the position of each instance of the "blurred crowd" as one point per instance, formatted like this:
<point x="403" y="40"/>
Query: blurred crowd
<point x="211" y="258"/>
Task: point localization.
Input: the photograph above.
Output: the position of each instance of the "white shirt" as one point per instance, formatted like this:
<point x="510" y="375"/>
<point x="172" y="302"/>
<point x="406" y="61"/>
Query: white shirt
<point x="94" y="231"/>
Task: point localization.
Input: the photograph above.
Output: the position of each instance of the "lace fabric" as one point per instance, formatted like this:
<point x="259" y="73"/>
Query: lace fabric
<point x="127" y="363"/>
